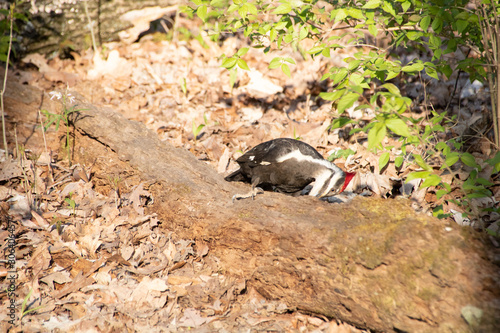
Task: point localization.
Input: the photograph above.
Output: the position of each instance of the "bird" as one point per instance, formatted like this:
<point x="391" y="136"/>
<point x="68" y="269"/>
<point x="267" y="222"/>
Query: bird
<point x="288" y="165"/>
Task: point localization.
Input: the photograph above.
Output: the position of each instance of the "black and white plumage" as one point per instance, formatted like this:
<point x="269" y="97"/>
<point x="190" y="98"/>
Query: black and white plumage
<point x="288" y="165"/>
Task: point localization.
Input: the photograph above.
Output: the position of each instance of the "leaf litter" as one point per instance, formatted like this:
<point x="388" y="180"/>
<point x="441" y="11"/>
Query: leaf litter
<point x="92" y="258"/>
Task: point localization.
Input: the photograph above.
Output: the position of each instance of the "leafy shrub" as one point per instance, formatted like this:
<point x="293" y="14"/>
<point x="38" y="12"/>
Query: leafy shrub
<point x="437" y="27"/>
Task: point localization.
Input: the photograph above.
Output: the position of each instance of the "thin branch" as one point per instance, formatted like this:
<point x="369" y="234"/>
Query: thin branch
<point x="11" y="18"/>
<point x="90" y="25"/>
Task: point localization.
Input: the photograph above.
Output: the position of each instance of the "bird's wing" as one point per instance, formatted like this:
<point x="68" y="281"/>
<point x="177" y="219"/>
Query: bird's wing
<point x="271" y="151"/>
<point x="266" y="152"/>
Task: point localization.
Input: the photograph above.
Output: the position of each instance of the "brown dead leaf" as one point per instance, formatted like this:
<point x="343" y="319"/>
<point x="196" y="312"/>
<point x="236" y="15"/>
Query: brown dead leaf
<point x="10" y="169"/>
<point x="201" y="249"/>
<point x="78" y="282"/>
<point x="77" y="310"/>
<point x="81" y="265"/>
<point x="192" y="318"/>
<point x="81" y="280"/>
<point x="59" y="277"/>
<point x="40" y="260"/>
<point x="119" y="259"/>
<point x="91" y="243"/>
<point x="177" y="266"/>
<point x="177" y="280"/>
<point x="224" y="161"/>
<point x="40" y="221"/>
<point x="135" y="198"/>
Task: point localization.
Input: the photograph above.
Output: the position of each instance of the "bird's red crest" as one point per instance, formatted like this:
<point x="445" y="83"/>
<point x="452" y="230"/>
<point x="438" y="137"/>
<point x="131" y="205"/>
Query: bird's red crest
<point x="348" y="178"/>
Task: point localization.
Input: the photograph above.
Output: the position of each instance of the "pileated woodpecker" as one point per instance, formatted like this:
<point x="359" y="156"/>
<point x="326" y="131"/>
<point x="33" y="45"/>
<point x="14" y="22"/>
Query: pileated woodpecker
<point x="288" y="165"/>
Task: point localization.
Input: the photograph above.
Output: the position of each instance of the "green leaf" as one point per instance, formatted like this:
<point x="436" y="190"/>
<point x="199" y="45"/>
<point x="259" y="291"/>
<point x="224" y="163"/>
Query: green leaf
<point x="376" y="135"/>
<point x="398" y="126"/>
<point x="372" y="29"/>
<point x="242" y="64"/>
<point x="289" y="60"/>
<point x="275" y="63"/>
<point x="495" y="162"/>
<point x="383" y="160"/>
<point x="341" y="14"/>
<point x="425" y="22"/>
<point x="303" y="33"/>
<point x="415" y="67"/>
<point x="344" y="153"/>
<point x="347" y="101"/>
<point x="469" y="160"/>
<point x="391" y="75"/>
<point x="341" y="75"/>
<point x="272" y="35"/>
<point x="462" y="15"/>
<point x="417" y="175"/>
<point x="372" y="4"/>
<point x="286" y="69"/>
<point x="451" y="46"/>
<point x="243" y="10"/>
<point x="388" y="8"/>
<point x="431" y="72"/>
<point x="197" y="129"/>
<point x="441" y="193"/>
<point x="326" y="52"/>
<point x="316" y="49"/>
<point x="431" y="180"/>
<point x="252" y="9"/>
<point x="461" y="25"/>
<point x="405" y="5"/>
<point x="447" y="187"/>
<point x="332" y="96"/>
<point x="241" y="52"/>
<point x="434" y="42"/>
<point x="284" y="8"/>
<point x="288" y="38"/>
<point x="421" y="163"/>
<point x="280" y="25"/>
<point x="353" y="65"/>
<point x="391" y="88"/>
<point x="229" y="62"/>
<point x="479" y="194"/>
<point x="451" y="159"/>
<point x="439" y="212"/>
<point x="398" y="161"/>
<point x="414" y="35"/>
<point x="356" y="13"/>
<point x="484" y="182"/>
<point x="437" y="25"/>
<point x="340" y="122"/>
<point x="202" y="12"/>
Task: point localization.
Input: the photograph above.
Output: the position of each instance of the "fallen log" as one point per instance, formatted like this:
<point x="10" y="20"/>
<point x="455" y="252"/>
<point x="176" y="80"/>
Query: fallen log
<point x="373" y="263"/>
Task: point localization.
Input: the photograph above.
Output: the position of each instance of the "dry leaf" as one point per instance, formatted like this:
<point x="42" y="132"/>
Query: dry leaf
<point x="40" y="259"/>
<point x="192" y="318"/>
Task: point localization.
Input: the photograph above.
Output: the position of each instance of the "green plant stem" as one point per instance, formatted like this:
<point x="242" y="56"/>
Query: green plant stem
<point x="11" y="18"/>
<point x="68" y="149"/>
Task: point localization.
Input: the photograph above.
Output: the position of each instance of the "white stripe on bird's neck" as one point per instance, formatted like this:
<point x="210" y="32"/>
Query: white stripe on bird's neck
<point x="328" y="173"/>
<point x="306" y="158"/>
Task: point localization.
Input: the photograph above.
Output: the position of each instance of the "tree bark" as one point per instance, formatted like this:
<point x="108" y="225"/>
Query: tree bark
<point x="63" y="25"/>
<point x="373" y="263"/>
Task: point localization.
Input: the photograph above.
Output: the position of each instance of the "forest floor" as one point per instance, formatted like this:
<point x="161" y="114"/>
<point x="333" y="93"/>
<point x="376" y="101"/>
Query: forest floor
<point x="68" y="213"/>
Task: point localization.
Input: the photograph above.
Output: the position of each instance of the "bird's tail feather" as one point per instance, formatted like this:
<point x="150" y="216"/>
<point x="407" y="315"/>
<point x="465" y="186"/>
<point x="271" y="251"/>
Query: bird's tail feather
<point x="235" y="176"/>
